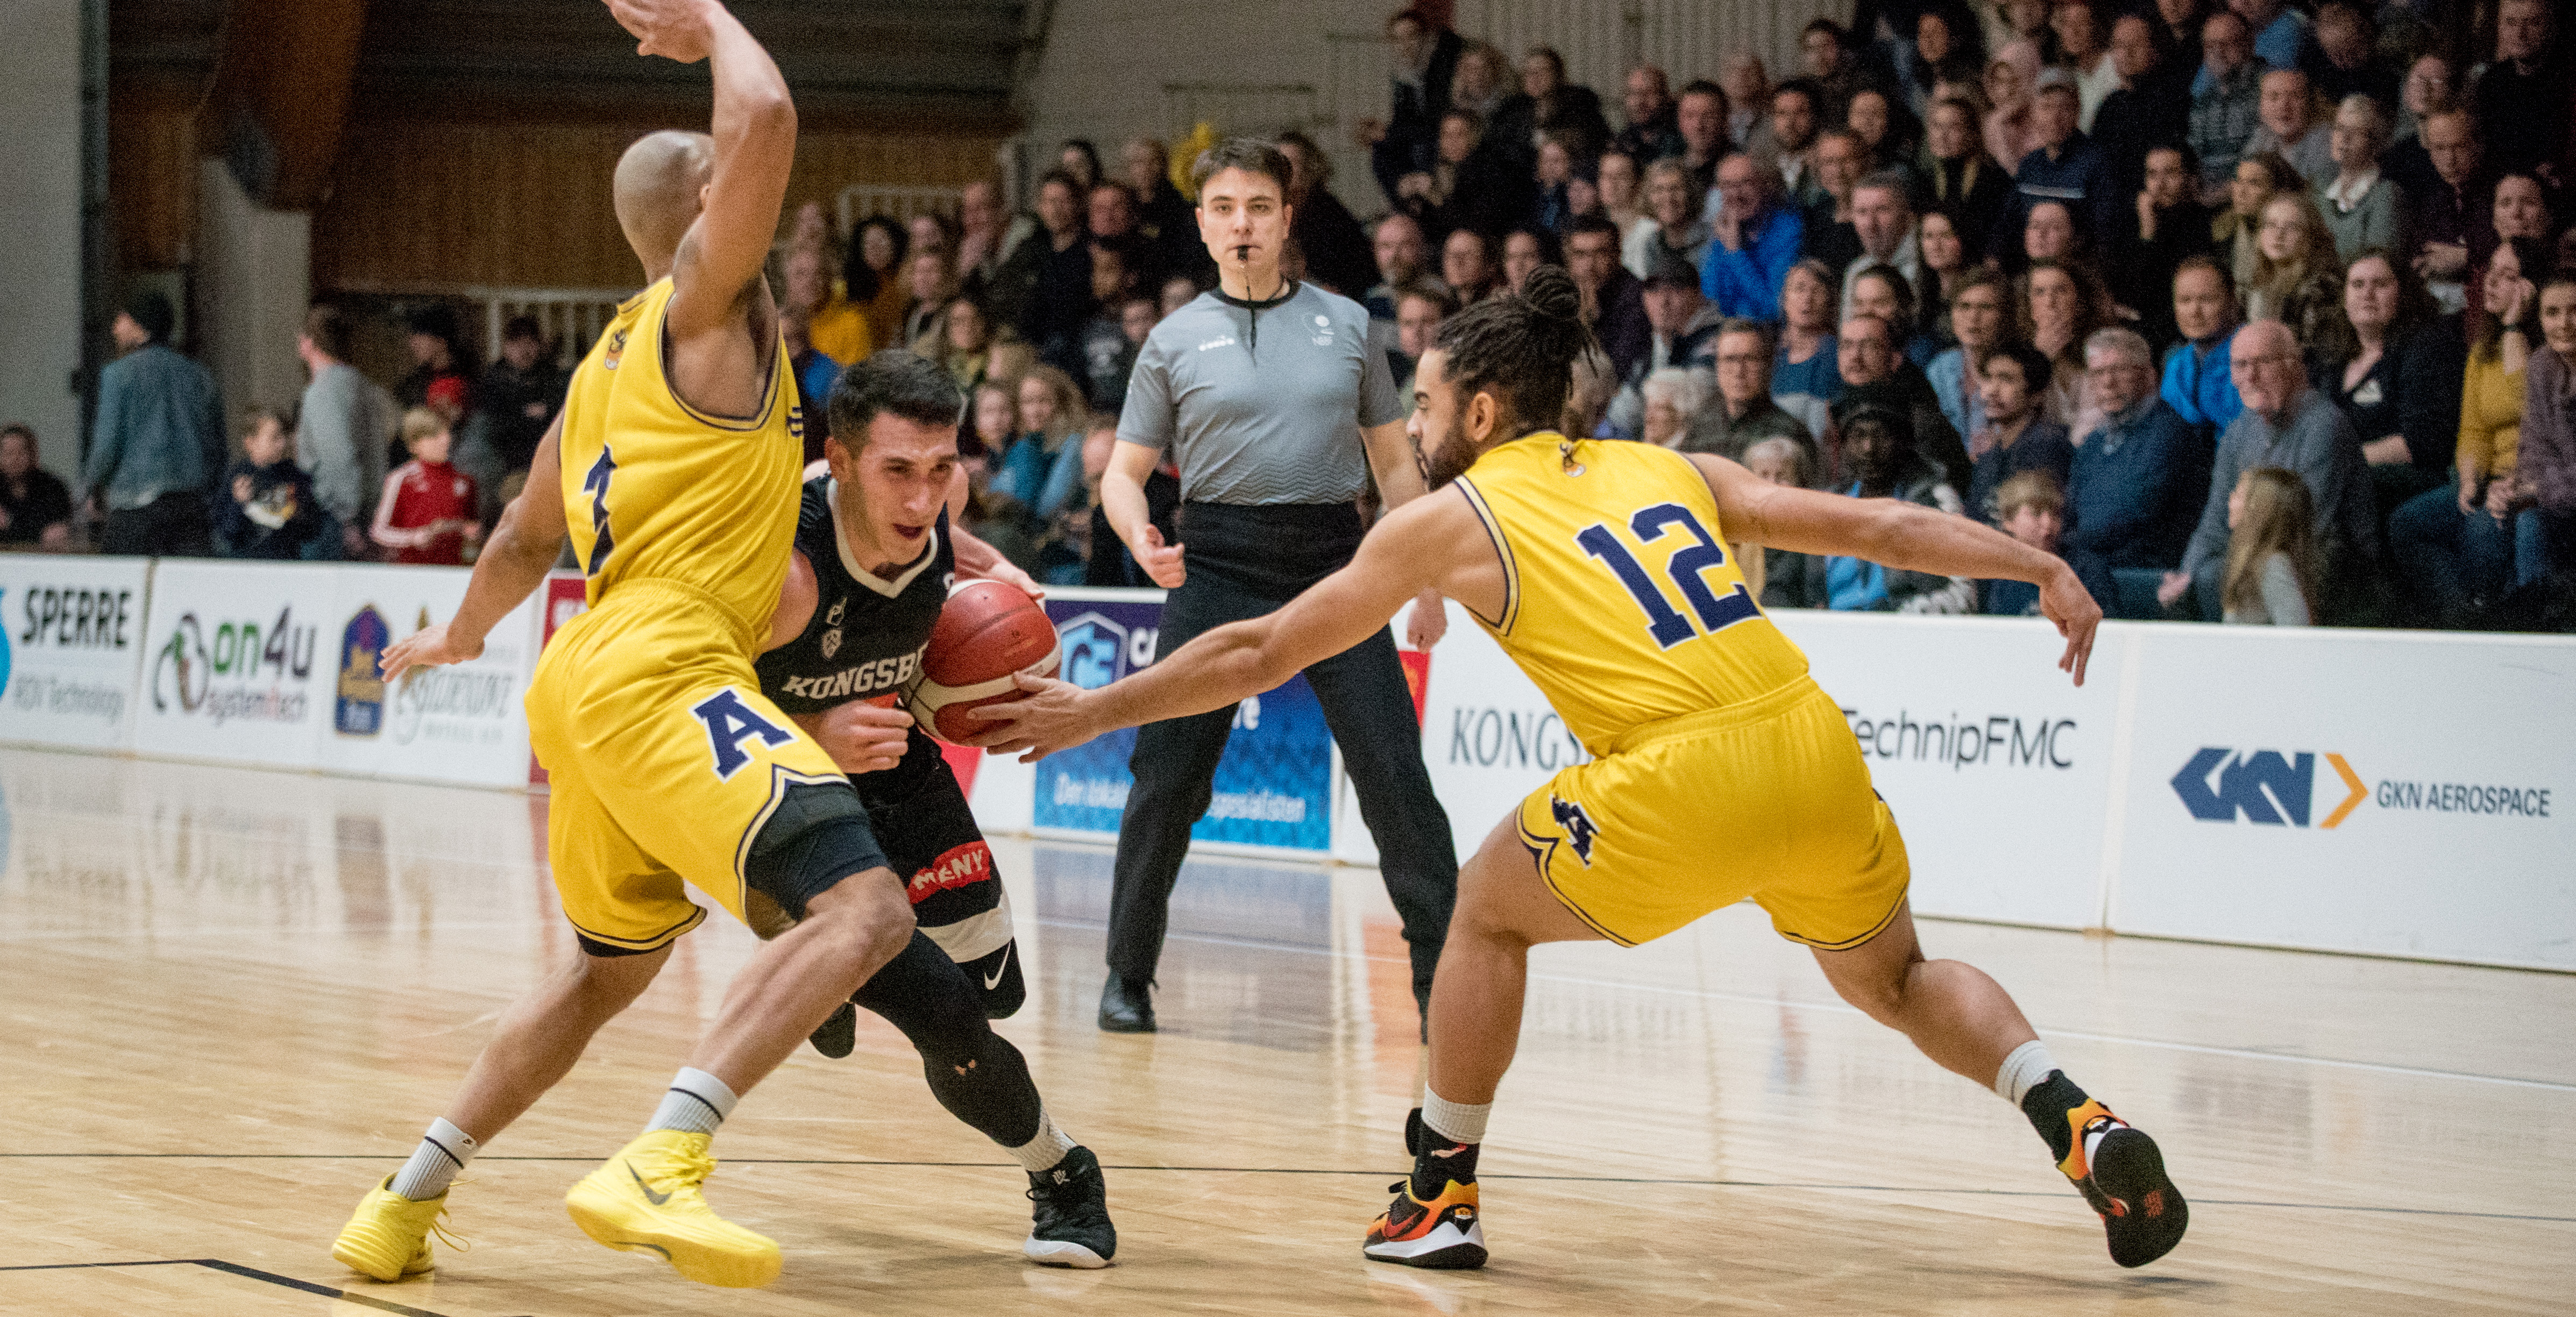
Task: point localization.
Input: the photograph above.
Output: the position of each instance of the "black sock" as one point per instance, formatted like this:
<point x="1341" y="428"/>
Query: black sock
<point x="1441" y="1161"/>
<point x="2047" y="1105"/>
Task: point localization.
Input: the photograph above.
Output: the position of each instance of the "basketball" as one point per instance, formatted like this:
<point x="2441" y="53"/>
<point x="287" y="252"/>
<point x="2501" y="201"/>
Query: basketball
<point x="987" y="632"/>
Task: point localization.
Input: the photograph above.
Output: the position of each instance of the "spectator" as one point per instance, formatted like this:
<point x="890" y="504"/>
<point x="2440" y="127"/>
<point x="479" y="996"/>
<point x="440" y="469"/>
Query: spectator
<point x="2139" y="480"/>
<point x="1682" y="328"/>
<point x="2271" y="575"/>
<point x="2396" y="372"/>
<point x="1040" y="469"/>
<point x="1829" y="234"/>
<point x="2018" y="437"/>
<point x="1479" y="85"/>
<point x="1748" y="94"/>
<point x="1945" y="262"/>
<point x="2545" y="475"/>
<point x="1978" y="323"/>
<point x="1178" y="291"/>
<point x="1524" y="250"/>
<point x="1080" y="161"/>
<point x="2198" y="382"/>
<point x="1882" y="291"/>
<point x="1756" y="240"/>
<point x="2063" y="164"/>
<point x="1419" y="309"/>
<point x="1882" y="218"/>
<point x="35" y="507"/>
<point x="815" y="374"/>
<point x="437" y="353"/>
<point x="343" y="424"/>
<point x="522" y="392"/>
<point x="1700" y="121"/>
<point x="1674" y="397"/>
<point x="2061" y="305"/>
<point x="1795" y="106"/>
<point x="1109" y="216"/>
<point x="1623" y="194"/>
<point x="2451" y="215"/>
<point x="1164" y="218"/>
<point x="2431" y="87"/>
<point x="1875" y="374"/>
<point x="427" y="512"/>
<point x="1963" y="181"/>
<point x="2010" y="134"/>
<point x="1106" y="353"/>
<point x="997" y="252"/>
<point x="1614" y="302"/>
<point x="2286" y="108"/>
<point x="873" y="273"/>
<point x="2456" y="545"/>
<point x="1741" y="414"/>
<point x="2169" y="226"/>
<point x="1946" y="45"/>
<point x="2520" y="209"/>
<point x="2084" y="52"/>
<point x="2348" y="40"/>
<point x="1826" y="50"/>
<point x="2280" y="33"/>
<point x="2150" y="108"/>
<point x="1806" y="364"/>
<point x="270" y="511"/>
<point x="1878" y="447"/>
<point x="1675" y="229"/>
<point x="2032" y="509"/>
<point x="1060" y="297"/>
<point x="1547" y="104"/>
<point x="1426" y="60"/>
<point x="2521" y="99"/>
<point x="2285" y="424"/>
<point x="1654" y="120"/>
<point x="2361" y="206"/>
<point x="1397" y="248"/>
<point x="837" y="327"/>
<point x="1467" y="265"/>
<point x="2177" y="25"/>
<point x="932" y="231"/>
<point x="1471" y="186"/>
<point x="157" y="438"/>
<point x="1336" y="250"/>
<point x="2237" y="233"/>
<point x="2029" y="40"/>
<point x="2226" y="100"/>
<point x="2049" y="233"/>
<point x="1560" y="187"/>
<point x="966" y="348"/>
<point x="928" y="280"/>
<point x="1889" y="137"/>
<point x="2297" y="279"/>
<point x="997" y="519"/>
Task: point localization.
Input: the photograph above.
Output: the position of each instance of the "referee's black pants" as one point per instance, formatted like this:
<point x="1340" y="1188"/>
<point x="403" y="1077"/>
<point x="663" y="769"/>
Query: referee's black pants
<point x="1245" y="562"/>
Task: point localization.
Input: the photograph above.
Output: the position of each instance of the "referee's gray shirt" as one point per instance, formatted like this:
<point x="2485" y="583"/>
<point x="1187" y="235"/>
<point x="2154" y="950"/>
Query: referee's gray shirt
<point x="1262" y="407"/>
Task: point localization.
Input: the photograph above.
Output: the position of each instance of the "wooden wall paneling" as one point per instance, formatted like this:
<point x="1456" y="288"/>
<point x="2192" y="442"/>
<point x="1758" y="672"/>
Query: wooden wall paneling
<point x="152" y="176"/>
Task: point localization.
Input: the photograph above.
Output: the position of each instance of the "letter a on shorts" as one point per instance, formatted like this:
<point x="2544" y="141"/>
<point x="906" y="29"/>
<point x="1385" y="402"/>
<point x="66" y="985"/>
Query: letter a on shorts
<point x="729" y="720"/>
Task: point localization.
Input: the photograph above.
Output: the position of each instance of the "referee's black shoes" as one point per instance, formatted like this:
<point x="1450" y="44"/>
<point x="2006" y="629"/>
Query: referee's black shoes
<point x="1126" y="1007"/>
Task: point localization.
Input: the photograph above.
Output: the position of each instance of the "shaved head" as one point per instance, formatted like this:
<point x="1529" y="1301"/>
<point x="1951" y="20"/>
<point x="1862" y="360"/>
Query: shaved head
<point x="659" y="183"/>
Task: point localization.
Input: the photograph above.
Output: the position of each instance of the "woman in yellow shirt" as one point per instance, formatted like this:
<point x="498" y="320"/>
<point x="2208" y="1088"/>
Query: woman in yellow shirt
<point x="873" y="276"/>
<point x="2454" y="545"/>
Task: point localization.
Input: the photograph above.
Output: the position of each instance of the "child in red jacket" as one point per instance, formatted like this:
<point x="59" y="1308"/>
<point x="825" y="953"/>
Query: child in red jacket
<point x="427" y="512"/>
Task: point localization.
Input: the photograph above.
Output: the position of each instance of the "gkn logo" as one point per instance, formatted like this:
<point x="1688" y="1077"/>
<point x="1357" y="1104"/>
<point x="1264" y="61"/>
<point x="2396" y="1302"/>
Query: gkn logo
<point x="2263" y="786"/>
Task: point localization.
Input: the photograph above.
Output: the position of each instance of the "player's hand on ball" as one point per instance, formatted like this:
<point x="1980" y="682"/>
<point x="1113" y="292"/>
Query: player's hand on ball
<point x="2064" y="600"/>
<point x="1050" y="717"/>
<point x="863" y="738"/>
<point x="1162" y="561"/>
<point x="429" y="648"/>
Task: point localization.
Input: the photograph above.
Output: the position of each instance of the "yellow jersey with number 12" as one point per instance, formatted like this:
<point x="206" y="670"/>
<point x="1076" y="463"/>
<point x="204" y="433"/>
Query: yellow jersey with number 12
<point x="656" y="490"/>
<point x="1619" y="598"/>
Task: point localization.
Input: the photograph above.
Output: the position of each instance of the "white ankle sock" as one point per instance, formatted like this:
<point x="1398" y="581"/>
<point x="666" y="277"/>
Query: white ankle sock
<point x="443" y="1152"/>
<point x="1455" y="1120"/>
<point x="2023" y="1071"/>
<point x="1040" y="1154"/>
<point x="697" y="1102"/>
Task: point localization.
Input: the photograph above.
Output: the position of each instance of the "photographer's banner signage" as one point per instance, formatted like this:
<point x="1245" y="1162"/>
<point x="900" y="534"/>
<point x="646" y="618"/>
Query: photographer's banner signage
<point x="72" y="637"/>
<point x="1274" y="785"/>
<point x="236" y="667"/>
<point x="464" y="722"/>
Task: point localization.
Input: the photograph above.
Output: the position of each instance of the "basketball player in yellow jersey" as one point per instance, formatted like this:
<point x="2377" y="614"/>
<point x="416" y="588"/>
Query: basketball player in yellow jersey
<point x="675" y="463"/>
<point x="1721" y="771"/>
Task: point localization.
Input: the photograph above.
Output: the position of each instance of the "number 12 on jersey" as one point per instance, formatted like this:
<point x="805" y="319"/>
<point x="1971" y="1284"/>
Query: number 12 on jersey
<point x="1686" y="569"/>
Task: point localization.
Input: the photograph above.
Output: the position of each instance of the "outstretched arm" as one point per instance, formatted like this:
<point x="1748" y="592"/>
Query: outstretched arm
<point x="755" y="147"/>
<point x="1902" y="535"/>
<point x="522" y="550"/>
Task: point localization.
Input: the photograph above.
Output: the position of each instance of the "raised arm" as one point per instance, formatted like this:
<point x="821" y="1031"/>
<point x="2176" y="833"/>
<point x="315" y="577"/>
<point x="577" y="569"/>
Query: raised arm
<point x="522" y="550"/>
<point x="1901" y="535"/>
<point x="755" y="147"/>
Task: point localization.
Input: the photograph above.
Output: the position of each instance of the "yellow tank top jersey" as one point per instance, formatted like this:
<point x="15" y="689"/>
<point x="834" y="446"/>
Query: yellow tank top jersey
<point x="1620" y="599"/>
<point x="656" y="490"/>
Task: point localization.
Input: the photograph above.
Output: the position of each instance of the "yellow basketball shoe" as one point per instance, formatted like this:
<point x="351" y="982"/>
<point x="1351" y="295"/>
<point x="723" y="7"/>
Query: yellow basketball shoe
<point x="646" y="1199"/>
<point x="388" y="1236"/>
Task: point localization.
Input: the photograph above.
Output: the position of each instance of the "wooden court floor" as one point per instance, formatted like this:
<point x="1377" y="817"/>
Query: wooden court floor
<point x="229" y="1001"/>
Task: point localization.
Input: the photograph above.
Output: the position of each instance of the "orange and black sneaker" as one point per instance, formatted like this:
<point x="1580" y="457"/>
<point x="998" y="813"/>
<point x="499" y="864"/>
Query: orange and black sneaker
<point x="1443" y="1234"/>
<point x="2120" y="1172"/>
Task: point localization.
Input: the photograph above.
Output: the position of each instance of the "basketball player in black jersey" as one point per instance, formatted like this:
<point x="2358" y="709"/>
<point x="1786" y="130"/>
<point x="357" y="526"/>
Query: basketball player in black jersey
<point x="874" y="558"/>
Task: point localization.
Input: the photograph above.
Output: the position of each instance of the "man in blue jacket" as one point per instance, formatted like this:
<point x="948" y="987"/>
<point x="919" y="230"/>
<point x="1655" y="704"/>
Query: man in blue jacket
<point x="2139" y="480"/>
<point x="158" y="441"/>
<point x="1756" y="240"/>
<point x="2066" y="166"/>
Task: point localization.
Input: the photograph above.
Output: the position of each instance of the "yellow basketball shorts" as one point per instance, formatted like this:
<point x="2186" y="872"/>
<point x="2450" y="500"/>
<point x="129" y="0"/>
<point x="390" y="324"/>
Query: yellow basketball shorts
<point x="665" y="760"/>
<point x="1769" y="800"/>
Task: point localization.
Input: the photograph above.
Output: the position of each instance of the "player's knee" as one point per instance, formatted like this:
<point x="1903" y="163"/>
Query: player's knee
<point x="817" y="837"/>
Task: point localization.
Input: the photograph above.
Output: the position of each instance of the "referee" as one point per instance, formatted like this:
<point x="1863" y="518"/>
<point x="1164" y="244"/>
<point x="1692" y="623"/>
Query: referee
<point x="1277" y="412"/>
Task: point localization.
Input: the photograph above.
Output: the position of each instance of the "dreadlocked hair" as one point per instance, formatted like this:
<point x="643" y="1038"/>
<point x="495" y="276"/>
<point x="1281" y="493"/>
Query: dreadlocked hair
<point x="1520" y="348"/>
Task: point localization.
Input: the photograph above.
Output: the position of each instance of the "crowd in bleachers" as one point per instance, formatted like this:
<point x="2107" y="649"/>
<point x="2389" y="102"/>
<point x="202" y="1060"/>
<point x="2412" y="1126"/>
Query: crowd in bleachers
<point x="2247" y="310"/>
